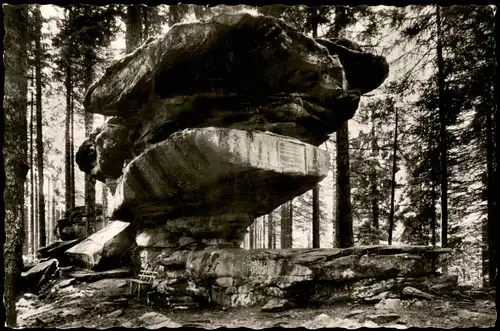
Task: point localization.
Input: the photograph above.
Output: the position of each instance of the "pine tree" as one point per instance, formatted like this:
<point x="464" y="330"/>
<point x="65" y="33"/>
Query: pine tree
<point x="15" y="150"/>
<point x="39" y="132"/>
<point x="134" y="28"/>
<point x="393" y="177"/>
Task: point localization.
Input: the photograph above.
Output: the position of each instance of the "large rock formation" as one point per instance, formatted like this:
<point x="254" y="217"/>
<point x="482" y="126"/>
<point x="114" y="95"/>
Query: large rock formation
<point x="216" y="123"/>
<point x="235" y="71"/>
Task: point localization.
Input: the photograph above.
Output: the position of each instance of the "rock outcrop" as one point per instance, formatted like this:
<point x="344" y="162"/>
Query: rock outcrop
<point x="238" y="71"/>
<point x="239" y="277"/>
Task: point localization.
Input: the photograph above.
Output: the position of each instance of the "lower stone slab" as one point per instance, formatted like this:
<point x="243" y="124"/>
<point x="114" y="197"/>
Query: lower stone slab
<point x="239" y="277"/>
<point x="285" y="267"/>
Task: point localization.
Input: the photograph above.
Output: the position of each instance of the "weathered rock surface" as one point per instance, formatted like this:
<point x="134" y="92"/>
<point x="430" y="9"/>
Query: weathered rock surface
<point x="241" y="277"/>
<point x="74" y="225"/>
<point x="105" y="249"/>
<point x="39" y="275"/>
<point x="414" y="292"/>
<point x="203" y="75"/>
<point x="57" y="250"/>
<point x="193" y="173"/>
<point x="153" y="320"/>
<point x="94" y="276"/>
<point x="276" y="305"/>
<point x="276" y="266"/>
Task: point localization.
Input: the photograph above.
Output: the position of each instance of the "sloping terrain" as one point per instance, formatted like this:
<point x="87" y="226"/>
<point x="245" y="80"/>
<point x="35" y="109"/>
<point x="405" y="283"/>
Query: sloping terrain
<point x="105" y="303"/>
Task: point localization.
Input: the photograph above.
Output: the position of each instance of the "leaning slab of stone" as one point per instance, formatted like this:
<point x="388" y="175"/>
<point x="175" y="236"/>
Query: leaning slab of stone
<point x="33" y="279"/>
<point x="57" y="250"/>
<point x="105" y="249"/>
<point x="238" y="277"/>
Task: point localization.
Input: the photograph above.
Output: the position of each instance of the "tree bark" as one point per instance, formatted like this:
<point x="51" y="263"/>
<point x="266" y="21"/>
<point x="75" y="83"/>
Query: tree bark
<point x="344" y="233"/>
<point x="104" y="203"/>
<point x="491" y="192"/>
<point x="37" y="211"/>
<point x="284" y="213"/>
<point x="250" y="236"/>
<point x="145" y="18"/>
<point x="67" y="140"/>
<point x="270" y="230"/>
<point x="133" y="36"/>
<point x="373" y="179"/>
<point x="54" y="218"/>
<point x="313" y="17"/>
<point x="494" y="223"/>
<point x="443" y="138"/>
<point x="15" y="147"/>
<point x="72" y="150"/>
<point x="39" y="125"/>
<point x="32" y="179"/>
<point x="393" y="182"/>
<point x="315" y="217"/>
<point x="89" y="179"/>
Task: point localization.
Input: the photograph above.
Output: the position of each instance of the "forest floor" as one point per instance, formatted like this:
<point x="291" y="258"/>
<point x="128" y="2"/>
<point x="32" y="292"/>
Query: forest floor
<point x="103" y="304"/>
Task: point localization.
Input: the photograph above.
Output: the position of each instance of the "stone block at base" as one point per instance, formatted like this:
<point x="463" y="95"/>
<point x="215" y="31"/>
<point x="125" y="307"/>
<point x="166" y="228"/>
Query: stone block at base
<point x="105" y="249"/>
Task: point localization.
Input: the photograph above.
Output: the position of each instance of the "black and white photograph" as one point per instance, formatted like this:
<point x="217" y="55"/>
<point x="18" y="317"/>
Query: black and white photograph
<point x="258" y="166"/>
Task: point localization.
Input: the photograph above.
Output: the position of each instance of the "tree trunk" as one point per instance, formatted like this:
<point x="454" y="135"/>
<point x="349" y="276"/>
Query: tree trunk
<point x="284" y="213"/>
<point x="442" y="136"/>
<point x="47" y="213"/>
<point x="67" y="140"/>
<point x="37" y="212"/>
<point x="133" y="37"/>
<point x="270" y="230"/>
<point x="14" y="150"/>
<point x="145" y="18"/>
<point x="393" y="182"/>
<point x="373" y="179"/>
<point x="72" y="150"/>
<point x="32" y="179"/>
<point x="433" y="193"/>
<point x="313" y="17"/>
<point x="104" y="203"/>
<point x="39" y="131"/>
<point x="344" y="233"/>
<point x="315" y="217"/>
<point x="54" y="218"/>
<point x="491" y="192"/>
<point x="89" y="179"/>
<point x="290" y="225"/>
<point x="494" y="224"/>
<point x="250" y="236"/>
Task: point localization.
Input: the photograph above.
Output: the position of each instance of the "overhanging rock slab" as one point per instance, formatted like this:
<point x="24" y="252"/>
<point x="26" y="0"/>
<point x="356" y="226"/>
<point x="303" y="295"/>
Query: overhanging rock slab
<point x="218" y="171"/>
<point x="106" y="248"/>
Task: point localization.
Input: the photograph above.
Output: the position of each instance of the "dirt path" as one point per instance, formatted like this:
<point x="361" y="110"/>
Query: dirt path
<point x="102" y="304"/>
